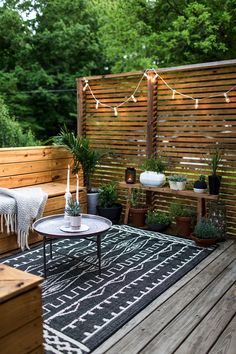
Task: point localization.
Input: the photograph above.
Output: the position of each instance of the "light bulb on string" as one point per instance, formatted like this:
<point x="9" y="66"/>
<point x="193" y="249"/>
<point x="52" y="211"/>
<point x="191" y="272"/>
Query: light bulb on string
<point x="115" y="111"/>
<point x="97" y="103"/>
<point x="133" y="98"/>
<point x="155" y="77"/>
<point x="147" y="76"/>
<point x="173" y="94"/>
<point x="226" y="97"/>
<point x="196" y="103"/>
<point x="86" y="85"/>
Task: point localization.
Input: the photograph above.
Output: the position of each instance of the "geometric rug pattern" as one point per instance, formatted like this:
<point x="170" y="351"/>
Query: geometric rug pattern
<point x="82" y="308"/>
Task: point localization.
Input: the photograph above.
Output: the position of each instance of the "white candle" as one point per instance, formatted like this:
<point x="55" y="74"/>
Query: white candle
<point x="77" y="188"/>
<point x="68" y="180"/>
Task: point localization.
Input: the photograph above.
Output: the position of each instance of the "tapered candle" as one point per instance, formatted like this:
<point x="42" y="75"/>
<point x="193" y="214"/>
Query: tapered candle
<point x="68" y="180"/>
<point x="77" y="189"/>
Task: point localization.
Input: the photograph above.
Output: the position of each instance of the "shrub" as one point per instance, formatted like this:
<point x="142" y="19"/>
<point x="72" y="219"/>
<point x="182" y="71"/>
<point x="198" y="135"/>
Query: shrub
<point x="156" y="217"/>
<point x="204" y="229"/>
<point x="177" y="209"/>
<point x="11" y="132"/>
<point x="108" y="195"/>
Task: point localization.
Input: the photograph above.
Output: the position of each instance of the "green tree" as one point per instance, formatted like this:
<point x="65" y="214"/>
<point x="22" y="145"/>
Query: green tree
<point x="11" y="132"/>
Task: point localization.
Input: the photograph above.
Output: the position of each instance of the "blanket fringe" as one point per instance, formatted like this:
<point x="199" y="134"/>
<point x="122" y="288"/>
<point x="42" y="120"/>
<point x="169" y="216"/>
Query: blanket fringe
<point x="9" y="221"/>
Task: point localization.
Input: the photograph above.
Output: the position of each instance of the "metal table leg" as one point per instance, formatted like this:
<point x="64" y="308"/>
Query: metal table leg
<point x="44" y="257"/>
<point x="99" y="253"/>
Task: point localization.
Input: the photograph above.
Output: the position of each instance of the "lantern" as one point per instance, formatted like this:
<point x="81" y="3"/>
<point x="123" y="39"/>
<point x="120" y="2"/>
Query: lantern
<point x="130" y="175"/>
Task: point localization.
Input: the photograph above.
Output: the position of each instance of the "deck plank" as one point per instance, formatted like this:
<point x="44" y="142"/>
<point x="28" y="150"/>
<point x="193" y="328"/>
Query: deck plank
<point x="125" y="340"/>
<point x="168" y="340"/>
<point x="226" y="343"/>
<point x="204" y="335"/>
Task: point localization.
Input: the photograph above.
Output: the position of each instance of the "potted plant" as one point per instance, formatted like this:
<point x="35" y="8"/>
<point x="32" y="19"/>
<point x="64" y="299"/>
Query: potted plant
<point x="177" y="182"/>
<point x="153" y="175"/>
<point x="157" y="220"/>
<point x="200" y="185"/>
<point x="184" y="218"/>
<point x="83" y="154"/>
<point x="107" y="202"/>
<point x="137" y="209"/>
<point x="214" y="180"/>
<point x="205" y="233"/>
<point x="73" y="211"/>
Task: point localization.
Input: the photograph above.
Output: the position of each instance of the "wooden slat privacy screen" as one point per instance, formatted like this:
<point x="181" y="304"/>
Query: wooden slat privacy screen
<point x="172" y="127"/>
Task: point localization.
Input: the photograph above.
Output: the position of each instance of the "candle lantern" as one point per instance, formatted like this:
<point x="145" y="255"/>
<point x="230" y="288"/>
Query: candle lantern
<point x="130" y="175"/>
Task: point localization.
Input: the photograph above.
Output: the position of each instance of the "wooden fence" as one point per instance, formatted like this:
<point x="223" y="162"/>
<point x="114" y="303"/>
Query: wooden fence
<point x="165" y="121"/>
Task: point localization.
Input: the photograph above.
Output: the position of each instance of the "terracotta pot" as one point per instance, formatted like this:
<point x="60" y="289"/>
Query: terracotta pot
<point x="138" y="216"/>
<point x="204" y="242"/>
<point x="184" y="225"/>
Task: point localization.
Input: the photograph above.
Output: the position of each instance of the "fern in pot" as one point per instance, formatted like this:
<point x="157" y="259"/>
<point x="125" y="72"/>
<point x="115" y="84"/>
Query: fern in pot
<point x="108" y="206"/>
<point x="157" y="220"/>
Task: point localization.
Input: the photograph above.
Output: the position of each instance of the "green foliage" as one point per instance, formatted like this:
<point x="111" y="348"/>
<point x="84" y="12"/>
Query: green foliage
<point x="155" y="164"/>
<point x="177" y="209"/>
<point x="215" y="157"/>
<point x="177" y="178"/>
<point x="202" y="178"/>
<point x="156" y="217"/>
<point x="73" y="208"/>
<point x="137" y="199"/>
<point x="108" y="195"/>
<point x="205" y="229"/>
<point x="11" y="132"/>
<point x="82" y="153"/>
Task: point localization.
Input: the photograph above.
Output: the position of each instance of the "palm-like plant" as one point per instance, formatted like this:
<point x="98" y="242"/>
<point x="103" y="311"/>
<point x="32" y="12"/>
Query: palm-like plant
<point x="82" y="153"/>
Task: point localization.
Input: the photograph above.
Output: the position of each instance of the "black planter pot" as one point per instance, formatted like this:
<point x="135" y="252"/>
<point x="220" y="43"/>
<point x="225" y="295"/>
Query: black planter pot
<point x="157" y="227"/>
<point x="113" y="213"/>
<point x="214" y="182"/>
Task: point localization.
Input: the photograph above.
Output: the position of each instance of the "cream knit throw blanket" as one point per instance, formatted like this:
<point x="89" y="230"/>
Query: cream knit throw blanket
<point x="19" y="208"/>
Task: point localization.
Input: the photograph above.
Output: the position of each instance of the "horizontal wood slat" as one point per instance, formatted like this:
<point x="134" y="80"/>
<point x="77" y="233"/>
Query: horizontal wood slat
<point x="181" y="133"/>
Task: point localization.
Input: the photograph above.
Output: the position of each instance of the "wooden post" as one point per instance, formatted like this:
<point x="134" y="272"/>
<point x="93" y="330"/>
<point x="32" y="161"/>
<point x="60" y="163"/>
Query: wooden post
<point x="80" y="106"/>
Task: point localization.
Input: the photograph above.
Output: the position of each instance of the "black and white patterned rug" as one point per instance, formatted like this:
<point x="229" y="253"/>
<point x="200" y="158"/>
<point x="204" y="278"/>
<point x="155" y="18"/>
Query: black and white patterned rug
<point x="82" y="308"/>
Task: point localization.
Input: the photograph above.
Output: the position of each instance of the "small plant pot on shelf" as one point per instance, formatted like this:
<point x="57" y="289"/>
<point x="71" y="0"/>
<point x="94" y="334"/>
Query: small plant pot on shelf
<point x="214" y="182"/>
<point x="200" y="185"/>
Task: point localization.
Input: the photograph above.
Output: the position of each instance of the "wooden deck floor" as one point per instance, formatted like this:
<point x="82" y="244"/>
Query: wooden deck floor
<point x="197" y="315"/>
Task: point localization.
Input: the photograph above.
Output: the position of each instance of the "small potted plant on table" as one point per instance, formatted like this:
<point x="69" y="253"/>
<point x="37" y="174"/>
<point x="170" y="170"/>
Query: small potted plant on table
<point x="177" y="182"/>
<point x="205" y="233"/>
<point x="184" y="218"/>
<point x="200" y="185"/>
<point x="73" y="211"/>
<point x="157" y="220"/>
<point x="153" y="175"/>
<point x="107" y="202"/>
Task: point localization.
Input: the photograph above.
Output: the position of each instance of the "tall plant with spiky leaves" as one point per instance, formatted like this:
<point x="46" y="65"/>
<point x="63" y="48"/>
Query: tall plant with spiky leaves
<point x="82" y="153"/>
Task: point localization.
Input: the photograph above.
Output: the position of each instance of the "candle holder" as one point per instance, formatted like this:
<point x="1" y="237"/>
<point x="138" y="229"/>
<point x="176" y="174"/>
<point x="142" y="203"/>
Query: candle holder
<point x="68" y="196"/>
<point x="130" y="175"/>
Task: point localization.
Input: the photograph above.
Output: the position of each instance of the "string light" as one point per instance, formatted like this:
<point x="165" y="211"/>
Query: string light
<point x="86" y="85"/>
<point x="226" y="97"/>
<point x="133" y="98"/>
<point x="147" y="75"/>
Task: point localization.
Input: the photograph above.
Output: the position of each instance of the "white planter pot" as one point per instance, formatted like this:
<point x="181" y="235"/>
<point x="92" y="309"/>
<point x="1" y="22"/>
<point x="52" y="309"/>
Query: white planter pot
<point x="152" y="179"/>
<point x="173" y="185"/>
<point x="181" y="185"/>
<point x="197" y="190"/>
<point x="75" y="222"/>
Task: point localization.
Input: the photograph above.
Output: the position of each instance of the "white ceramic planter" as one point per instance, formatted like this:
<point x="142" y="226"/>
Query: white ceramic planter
<point x="173" y="185"/>
<point x="198" y="190"/>
<point x="181" y="185"/>
<point x="75" y="222"/>
<point x="152" y="179"/>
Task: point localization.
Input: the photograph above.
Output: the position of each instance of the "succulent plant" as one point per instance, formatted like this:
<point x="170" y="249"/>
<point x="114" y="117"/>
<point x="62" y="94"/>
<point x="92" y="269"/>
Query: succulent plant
<point x="200" y="183"/>
<point x="204" y="229"/>
<point x="177" y="178"/>
<point x="73" y="208"/>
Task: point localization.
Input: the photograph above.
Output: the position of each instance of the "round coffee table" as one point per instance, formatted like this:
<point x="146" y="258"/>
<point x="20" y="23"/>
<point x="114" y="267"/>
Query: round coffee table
<point x="51" y="227"/>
